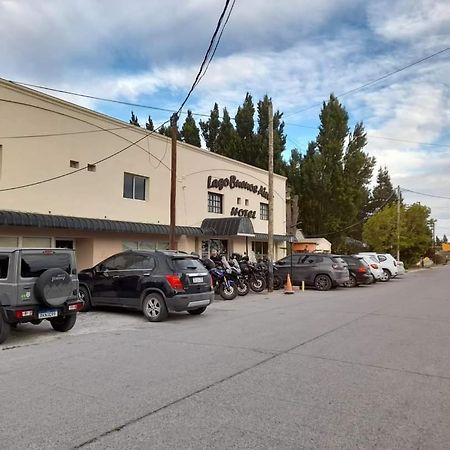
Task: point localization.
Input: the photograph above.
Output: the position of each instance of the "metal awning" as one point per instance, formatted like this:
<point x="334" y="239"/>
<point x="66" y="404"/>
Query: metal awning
<point x="228" y="226"/>
<point x="21" y="219"/>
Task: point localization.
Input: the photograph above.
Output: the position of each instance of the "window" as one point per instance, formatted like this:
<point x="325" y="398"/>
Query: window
<point x="4" y="263"/>
<point x="91" y="168"/>
<point x="238" y="201"/>
<point x="146" y="245"/>
<point x="36" y="264"/>
<point x="264" y="211"/>
<point x="74" y="164"/>
<point x="6" y="241"/>
<point x="215" y="203"/>
<point x="246" y="202"/>
<point x="36" y="242"/>
<point x="134" y="186"/>
<point x="141" y="262"/>
<point x="182" y="264"/>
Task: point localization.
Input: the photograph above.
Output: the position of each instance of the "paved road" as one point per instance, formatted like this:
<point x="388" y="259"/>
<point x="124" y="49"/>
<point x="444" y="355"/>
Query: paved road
<point x="347" y="369"/>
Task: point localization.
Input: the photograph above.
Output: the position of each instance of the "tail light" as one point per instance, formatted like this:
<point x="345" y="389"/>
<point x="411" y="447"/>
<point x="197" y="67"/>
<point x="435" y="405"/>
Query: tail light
<point x="374" y="266"/>
<point x="361" y="270"/>
<point x="75" y="306"/>
<point x="175" y="282"/>
<point x="21" y="314"/>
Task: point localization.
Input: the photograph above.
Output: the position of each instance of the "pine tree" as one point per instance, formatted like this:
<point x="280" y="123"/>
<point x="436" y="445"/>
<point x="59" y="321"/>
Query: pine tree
<point x="134" y="120"/>
<point x="227" y="142"/>
<point x="190" y="132"/>
<point x="210" y="129"/>
<point x="444" y="239"/>
<point x="245" y="125"/>
<point x="149" y="124"/>
<point x="383" y="193"/>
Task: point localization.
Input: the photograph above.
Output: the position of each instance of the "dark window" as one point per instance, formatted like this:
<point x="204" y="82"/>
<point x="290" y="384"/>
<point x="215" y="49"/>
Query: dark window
<point x="74" y="164"/>
<point x="117" y="262"/>
<point x="264" y="211"/>
<point x="91" y="167"/>
<point x="215" y="203"/>
<point x="287" y="260"/>
<point x="187" y="264"/>
<point x="141" y="262"/>
<point x="312" y="259"/>
<point x="134" y="186"/>
<point x="381" y="258"/>
<point x="34" y="265"/>
<point x="4" y="263"/>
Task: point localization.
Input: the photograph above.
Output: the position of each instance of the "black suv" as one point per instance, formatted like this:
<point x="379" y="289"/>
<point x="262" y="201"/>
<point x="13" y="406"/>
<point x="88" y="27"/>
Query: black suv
<point x="38" y="284"/>
<point x="321" y="270"/>
<point x="154" y="282"/>
<point x="359" y="271"/>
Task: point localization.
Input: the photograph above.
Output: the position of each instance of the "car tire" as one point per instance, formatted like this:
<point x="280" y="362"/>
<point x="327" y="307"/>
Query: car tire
<point x="54" y="287"/>
<point x="386" y="276"/>
<point x="351" y="282"/>
<point x="277" y="282"/>
<point x="323" y="282"/>
<point x="154" y="308"/>
<point x="198" y="311"/>
<point x="5" y="329"/>
<point x="63" y="323"/>
<point x="86" y="297"/>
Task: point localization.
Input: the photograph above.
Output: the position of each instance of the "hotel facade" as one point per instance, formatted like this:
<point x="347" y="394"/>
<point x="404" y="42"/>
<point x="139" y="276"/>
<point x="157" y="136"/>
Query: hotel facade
<point x="71" y="177"/>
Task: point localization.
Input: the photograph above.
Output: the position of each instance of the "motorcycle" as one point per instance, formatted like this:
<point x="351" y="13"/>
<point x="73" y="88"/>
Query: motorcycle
<point x="242" y="286"/>
<point x="255" y="279"/>
<point x="222" y="283"/>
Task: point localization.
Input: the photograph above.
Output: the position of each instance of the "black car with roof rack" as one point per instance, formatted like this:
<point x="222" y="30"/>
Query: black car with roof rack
<point x="154" y="282"/>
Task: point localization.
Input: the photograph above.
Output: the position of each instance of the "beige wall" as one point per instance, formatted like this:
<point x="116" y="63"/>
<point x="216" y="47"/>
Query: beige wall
<point x="99" y="194"/>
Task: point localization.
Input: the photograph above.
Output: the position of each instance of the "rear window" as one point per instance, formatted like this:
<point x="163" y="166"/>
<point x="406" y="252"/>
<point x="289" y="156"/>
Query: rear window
<point x="187" y="264"/>
<point x="34" y="265"/>
<point x="4" y="263"/>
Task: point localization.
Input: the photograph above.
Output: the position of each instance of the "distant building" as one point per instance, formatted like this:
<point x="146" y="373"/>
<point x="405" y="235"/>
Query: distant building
<point x="310" y="245"/>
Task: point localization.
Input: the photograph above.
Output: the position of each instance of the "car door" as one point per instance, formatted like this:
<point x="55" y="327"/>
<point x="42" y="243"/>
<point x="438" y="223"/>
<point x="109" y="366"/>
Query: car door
<point x="308" y="268"/>
<point x="138" y="270"/>
<point x="288" y="265"/>
<point x="105" y="280"/>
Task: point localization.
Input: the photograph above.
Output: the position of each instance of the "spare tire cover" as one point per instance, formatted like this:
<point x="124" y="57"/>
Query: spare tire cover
<point x="54" y="287"/>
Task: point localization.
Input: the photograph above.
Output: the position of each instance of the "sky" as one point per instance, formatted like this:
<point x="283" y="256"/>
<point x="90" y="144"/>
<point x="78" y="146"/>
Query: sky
<point x="296" y="51"/>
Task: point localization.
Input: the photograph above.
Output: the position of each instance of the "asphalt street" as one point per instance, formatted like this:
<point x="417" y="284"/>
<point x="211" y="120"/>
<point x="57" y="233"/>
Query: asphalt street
<point x="362" y="368"/>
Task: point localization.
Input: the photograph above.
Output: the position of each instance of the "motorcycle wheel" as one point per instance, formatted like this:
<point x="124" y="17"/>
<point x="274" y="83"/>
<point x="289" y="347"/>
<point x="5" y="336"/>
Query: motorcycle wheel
<point x="257" y="284"/>
<point x="227" y="293"/>
<point x="277" y="282"/>
<point x="242" y="288"/>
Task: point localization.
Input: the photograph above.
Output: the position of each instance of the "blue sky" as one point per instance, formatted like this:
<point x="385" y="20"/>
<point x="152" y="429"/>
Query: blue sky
<point x="297" y="52"/>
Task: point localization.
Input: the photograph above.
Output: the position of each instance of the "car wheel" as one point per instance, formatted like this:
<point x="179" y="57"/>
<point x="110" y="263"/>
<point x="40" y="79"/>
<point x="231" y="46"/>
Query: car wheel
<point x="351" y="282"/>
<point x="63" y="323"/>
<point x="198" y="311"/>
<point x="85" y="296"/>
<point x="277" y="282"/>
<point x="5" y="329"/>
<point x="386" y="275"/>
<point x="154" y="308"/>
<point x="323" y="282"/>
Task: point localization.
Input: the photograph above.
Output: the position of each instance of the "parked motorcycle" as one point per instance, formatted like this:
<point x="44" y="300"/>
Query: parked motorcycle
<point x="223" y="284"/>
<point x="255" y="279"/>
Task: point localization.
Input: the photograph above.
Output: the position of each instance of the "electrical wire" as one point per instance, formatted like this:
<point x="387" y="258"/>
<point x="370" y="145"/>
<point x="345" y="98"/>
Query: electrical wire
<point x="376" y="80"/>
<point x="423" y="193"/>
<point x="207" y="55"/>
<point x="69" y="133"/>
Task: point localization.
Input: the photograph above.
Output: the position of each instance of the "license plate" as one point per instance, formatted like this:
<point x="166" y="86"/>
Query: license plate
<point x="197" y="280"/>
<point x="48" y="313"/>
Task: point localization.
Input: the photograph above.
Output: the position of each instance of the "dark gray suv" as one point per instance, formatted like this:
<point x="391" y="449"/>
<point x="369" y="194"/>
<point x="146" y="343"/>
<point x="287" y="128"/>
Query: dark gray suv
<point x="321" y="270"/>
<point x="36" y="285"/>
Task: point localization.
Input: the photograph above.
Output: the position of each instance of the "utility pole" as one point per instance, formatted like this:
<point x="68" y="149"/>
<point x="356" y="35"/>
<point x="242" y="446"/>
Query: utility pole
<point x="173" y="183"/>
<point x="270" y="224"/>
<point x="398" y="222"/>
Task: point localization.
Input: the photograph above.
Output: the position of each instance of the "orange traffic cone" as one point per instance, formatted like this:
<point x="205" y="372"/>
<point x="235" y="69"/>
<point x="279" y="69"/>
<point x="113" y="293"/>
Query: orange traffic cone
<point x="288" y="288"/>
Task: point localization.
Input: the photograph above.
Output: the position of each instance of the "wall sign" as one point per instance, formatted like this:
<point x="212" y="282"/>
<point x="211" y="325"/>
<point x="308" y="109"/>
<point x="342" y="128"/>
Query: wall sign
<point x="243" y="213"/>
<point x="233" y="182"/>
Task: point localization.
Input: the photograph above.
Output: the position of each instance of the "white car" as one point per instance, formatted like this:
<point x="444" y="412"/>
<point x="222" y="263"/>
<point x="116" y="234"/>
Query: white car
<point x="388" y="264"/>
<point x="374" y="265"/>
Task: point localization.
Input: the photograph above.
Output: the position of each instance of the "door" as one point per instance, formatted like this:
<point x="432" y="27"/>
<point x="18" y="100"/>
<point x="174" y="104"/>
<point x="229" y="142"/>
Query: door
<point x="138" y="271"/>
<point x="309" y="268"/>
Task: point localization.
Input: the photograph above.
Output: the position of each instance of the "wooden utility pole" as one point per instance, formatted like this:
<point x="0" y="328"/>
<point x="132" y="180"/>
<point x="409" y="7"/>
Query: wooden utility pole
<point x="398" y="222"/>
<point x="270" y="224"/>
<point x="173" y="183"/>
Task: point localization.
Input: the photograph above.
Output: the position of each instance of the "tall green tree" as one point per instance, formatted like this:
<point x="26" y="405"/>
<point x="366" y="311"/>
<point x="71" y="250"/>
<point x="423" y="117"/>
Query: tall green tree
<point x="383" y="193"/>
<point x="245" y="124"/>
<point x="190" y="132"/>
<point x="149" y="124"/>
<point x="134" y="120"/>
<point x="227" y="142"/>
<point x="210" y="129"/>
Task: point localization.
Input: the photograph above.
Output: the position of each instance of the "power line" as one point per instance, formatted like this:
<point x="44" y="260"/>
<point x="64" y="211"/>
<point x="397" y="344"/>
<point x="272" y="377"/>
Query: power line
<point x="376" y="80"/>
<point x="68" y="133"/>
<point x="202" y="71"/>
<point x="426" y="195"/>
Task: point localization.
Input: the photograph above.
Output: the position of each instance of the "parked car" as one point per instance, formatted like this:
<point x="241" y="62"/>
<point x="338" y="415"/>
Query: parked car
<point x="323" y="271"/>
<point x="401" y="268"/>
<point x="154" y="282"/>
<point x="388" y="264"/>
<point x="359" y="271"/>
<point x="374" y="265"/>
<point x="36" y="285"/>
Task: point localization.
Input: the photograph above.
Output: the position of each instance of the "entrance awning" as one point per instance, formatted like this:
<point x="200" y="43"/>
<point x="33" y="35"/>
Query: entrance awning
<point x="21" y="219"/>
<point x="228" y="226"/>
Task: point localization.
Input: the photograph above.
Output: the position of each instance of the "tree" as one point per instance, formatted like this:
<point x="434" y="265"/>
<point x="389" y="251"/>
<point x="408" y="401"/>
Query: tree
<point x="149" y="124"/>
<point x="383" y="193"/>
<point x="134" y="120"/>
<point x="227" y="142"/>
<point x="380" y="231"/>
<point x="166" y="131"/>
<point x="444" y="239"/>
<point x="245" y="125"/>
<point x="210" y="129"/>
<point x="190" y="132"/>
